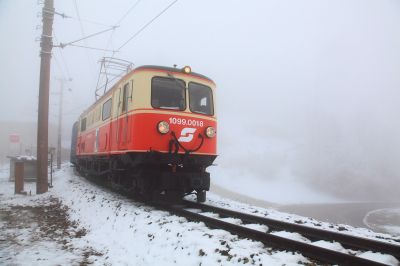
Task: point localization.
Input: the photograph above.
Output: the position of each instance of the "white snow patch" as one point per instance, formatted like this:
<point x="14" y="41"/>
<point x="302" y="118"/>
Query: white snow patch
<point x="25" y="157"/>
<point x="290" y="235"/>
<point x="385" y="259"/>
<point x="377" y="220"/>
<point x="330" y="245"/>
<point x="131" y="233"/>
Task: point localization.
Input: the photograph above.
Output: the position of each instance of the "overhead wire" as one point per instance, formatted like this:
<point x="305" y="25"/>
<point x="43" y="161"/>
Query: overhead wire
<point x="81" y="27"/>
<point x="79" y="18"/>
<point x="147" y="24"/>
<point x="62" y="45"/>
<point x="118" y="23"/>
<point x="127" y="12"/>
<point x="91" y="48"/>
<point x="92" y="22"/>
<point x="63" y="15"/>
<point x="89" y="57"/>
<point x="113" y="30"/>
<point x="130" y="9"/>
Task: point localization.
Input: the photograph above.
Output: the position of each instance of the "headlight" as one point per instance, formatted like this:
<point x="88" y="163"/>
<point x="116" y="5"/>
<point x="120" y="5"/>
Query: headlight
<point x="187" y="70"/>
<point x="163" y="127"/>
<point x="210" y="132"/>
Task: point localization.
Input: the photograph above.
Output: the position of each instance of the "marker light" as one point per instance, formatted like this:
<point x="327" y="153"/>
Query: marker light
<point x="187" y="70"/>
<point x="210" y="132"/>
<point x="163" y="127"/>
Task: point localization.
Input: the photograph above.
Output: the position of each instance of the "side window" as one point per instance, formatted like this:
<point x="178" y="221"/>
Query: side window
<point x="83" y="124"/>
<point x="125" y="98"/>
<point x="117" y="105"/>
<point x="107" y="109"/>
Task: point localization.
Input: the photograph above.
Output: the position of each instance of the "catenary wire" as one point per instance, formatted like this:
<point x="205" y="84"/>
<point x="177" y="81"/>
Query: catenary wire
<point x="82" y="30"/>
<point x="92" y="22"/>
<point x="147" y="24"/>
<point x="118" y="23"/>
<point x="112" y="36"/>
<point x="62" y="45"/>
<point x="91" y="48"/>
<point x="127" y="12"/>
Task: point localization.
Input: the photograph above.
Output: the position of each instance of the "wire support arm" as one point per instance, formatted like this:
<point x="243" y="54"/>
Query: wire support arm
<point x="62" y="45"/>
<point x="92" y="48"/>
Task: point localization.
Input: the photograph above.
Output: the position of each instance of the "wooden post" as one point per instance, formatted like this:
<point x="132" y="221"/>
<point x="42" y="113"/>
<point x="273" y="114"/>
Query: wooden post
<point x="19" y="177"/>
<point x="43" y="111"/>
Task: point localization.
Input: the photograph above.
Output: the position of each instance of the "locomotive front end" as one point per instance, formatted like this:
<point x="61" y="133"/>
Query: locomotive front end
<point x="178" y="128"/>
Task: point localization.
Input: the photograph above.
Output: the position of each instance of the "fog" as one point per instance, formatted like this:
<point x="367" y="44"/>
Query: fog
<point x="309" y="86"/>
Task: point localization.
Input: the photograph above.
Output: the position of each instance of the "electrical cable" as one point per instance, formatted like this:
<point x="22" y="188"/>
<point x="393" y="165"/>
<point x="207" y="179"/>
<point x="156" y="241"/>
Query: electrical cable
<point x="79" y="17"/>
<point x="82" y="30"/>
<point x="118" y="22"/>
<point x="108" y="44"/>
<point x="147" y="24"/>
<point x="62" y="45"/>
<point x="91" y="48"/>
<point x="92" y="22"/>
<point x="129" y="10"/>
<point x="89" y="57"/>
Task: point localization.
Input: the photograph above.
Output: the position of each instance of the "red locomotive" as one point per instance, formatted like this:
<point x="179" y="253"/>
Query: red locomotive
<point x="153" y="133"/>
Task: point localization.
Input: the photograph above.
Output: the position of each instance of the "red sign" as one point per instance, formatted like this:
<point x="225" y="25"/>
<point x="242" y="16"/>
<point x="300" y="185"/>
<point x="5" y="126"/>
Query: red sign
<point x="14" y="138"/>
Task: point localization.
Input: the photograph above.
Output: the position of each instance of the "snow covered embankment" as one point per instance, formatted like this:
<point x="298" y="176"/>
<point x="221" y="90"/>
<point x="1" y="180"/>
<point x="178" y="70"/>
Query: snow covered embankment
<point x="131" y="233"/>
<point x="118" y="231"/>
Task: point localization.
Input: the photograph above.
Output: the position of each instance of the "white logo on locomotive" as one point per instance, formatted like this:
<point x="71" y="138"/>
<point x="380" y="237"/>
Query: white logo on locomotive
<point x="187" y="134"/>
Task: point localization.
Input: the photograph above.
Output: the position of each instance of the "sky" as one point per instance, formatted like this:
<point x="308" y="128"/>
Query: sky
<point x="320" y="76"/>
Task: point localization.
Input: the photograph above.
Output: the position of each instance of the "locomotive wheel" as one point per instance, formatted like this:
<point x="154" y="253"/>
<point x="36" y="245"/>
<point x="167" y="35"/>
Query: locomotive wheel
<point x="201" y="196"/>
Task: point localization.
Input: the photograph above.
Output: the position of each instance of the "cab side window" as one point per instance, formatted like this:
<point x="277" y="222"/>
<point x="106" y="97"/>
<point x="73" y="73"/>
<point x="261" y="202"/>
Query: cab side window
<point x="83" y="124"/>
<point x="107" y="109"/>
<point x="125" y="96"/>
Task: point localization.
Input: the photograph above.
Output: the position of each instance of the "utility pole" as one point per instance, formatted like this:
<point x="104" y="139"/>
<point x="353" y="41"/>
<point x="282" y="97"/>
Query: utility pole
<point x="59" y="124"/>
<point x="46" y="45"/>
<point x="60" y="112"/>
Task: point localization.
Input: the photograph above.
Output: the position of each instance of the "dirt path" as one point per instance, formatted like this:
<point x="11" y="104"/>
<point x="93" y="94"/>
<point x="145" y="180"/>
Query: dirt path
<point x="32" y="229"/>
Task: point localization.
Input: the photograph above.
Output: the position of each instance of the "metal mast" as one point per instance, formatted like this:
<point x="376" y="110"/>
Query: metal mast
<point x="60" y="123"/>
<point x="60" y="114"/>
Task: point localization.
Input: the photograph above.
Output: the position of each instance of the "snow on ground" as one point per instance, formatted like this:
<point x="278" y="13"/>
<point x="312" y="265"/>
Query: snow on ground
<point x="386" y="220"/>
<point x="293" y="218"/>
<point x="269" y="190"/>
<point x="118" y="231"/>
<point x="25" y="157"/>
<point x="78" y="222"/>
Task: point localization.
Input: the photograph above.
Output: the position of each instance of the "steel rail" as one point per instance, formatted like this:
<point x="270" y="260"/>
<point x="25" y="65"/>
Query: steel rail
<point x="347" y="240"/>
<point x="313" y="252"/>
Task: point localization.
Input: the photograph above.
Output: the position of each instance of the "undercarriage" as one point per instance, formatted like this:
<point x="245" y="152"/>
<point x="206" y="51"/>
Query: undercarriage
<point x="151" y="176"/>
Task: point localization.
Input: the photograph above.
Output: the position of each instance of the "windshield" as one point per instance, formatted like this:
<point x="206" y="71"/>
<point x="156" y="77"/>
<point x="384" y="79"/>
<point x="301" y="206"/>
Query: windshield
<point x="200" y="99"/>
<point x="168" y="93"/>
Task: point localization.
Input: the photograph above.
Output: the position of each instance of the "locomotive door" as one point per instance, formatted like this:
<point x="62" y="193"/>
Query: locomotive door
<point x="123" y="118"/>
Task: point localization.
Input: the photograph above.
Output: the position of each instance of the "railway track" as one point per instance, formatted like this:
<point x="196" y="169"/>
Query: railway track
<point x="193" y="211"/>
